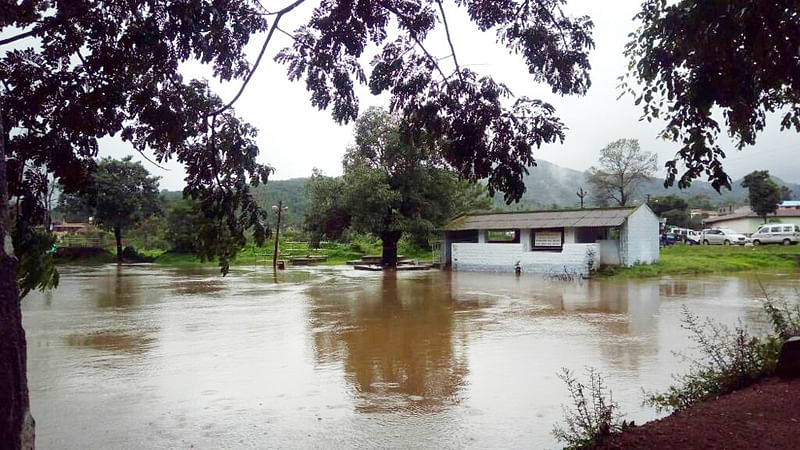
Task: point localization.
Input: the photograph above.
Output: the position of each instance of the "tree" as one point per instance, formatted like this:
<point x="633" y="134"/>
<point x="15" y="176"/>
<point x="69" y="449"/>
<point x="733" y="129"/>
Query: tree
<point x="120" y="195"/>
<point x="390" y="187"/>
<point x="76" y="71"/>
<point x="623" y="166"/>
<point x="764" y="193"/>
<point x="328" y="216"/>
<point x="182" y="221"/>
<point x="672" y="208"/>
<point x="693" y="58"/>
<point x="786" y="193"/>
<point x="701" y="201"/>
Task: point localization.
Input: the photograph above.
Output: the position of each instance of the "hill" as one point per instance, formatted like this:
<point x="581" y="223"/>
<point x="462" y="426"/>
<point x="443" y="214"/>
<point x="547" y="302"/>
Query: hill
<point x="550" y="185"/>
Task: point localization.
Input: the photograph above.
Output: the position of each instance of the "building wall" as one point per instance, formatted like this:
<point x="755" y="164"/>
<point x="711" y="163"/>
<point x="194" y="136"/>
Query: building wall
<point x="609" y="252"/>
<point x="640" y="238"/>
<point x="573" y="258"/>
<point x="449" y="237"/>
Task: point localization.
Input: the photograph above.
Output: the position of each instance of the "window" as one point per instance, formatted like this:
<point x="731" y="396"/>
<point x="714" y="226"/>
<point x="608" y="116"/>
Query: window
<point x="797" y="229"/>
<point x="775" y="229"/>
<point x="787" y="229"/>
<point x="503" y="236"/>
<point x="552" y="239"/>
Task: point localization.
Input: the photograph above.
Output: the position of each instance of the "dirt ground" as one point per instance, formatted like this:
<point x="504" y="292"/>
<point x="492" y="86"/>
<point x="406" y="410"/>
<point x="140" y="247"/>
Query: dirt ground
<point x="763" y="416"/>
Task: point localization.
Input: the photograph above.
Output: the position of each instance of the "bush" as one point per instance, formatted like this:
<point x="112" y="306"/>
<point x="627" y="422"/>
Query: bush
<point x="729" y="359"/>
<point x="589" y="421"/>
<point x="129" y="253"/>
<point x="364" y="243"/>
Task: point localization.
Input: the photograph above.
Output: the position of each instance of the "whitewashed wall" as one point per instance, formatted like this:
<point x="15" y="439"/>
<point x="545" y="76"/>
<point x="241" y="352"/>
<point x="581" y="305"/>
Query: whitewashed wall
<point x="640" y="238"/>
<point x="574" y="258"/>
<point x="609" y="252"/>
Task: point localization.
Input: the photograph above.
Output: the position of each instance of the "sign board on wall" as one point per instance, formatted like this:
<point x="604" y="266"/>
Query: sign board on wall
<point x="547" y="239"/>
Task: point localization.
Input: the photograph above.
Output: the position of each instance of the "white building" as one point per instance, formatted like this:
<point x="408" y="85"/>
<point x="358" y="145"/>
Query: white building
<point x="551" y="242"/>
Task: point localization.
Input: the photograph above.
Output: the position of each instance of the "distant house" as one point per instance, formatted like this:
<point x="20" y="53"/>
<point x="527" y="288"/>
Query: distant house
<point x="694" y="212"/>
<point x="747" y="221"/>
<point x="551" y="242"/>
<point x="73" y="227"/>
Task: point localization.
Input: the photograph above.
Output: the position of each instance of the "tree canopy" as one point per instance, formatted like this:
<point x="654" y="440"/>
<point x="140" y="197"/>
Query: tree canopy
<point x="765" y="194"/>
<point x="693" y="58"/>
<point x="672" y="208"/>
<point x="390" y="187"/>
<point x="786" y="193"/>
<point x="623" y="165"/>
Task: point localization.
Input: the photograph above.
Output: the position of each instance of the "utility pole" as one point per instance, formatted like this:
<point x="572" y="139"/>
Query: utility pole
<point x="277" y="208"/>
<point x="581" y="194"/>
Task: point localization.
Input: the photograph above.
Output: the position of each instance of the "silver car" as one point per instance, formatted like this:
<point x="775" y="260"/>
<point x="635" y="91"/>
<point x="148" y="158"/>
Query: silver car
<point x="723" y="236"/>
<point x="776" y="234"/>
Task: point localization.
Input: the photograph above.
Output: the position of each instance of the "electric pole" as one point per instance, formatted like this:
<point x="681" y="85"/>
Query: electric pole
<point x="277" y="208"/>
<point x="581" y="194"/>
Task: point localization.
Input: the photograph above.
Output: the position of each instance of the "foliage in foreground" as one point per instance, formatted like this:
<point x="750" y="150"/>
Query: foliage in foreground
<point x="593" y="414"/>
<point x="729" y="359"/>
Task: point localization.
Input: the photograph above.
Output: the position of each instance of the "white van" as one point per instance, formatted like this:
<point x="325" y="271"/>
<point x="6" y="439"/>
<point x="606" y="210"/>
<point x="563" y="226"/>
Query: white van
<point x="776" y="234"/>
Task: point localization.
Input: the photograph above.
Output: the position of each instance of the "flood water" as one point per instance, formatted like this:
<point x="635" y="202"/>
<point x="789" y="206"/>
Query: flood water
<point x="147" y="357"/>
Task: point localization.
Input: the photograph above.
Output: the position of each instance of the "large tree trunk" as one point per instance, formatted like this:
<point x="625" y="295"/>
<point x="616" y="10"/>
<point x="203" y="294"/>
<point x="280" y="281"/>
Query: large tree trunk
<point x="389" y="254"/>
<point x="118" y="237"/>
<point x="16" y="422"/>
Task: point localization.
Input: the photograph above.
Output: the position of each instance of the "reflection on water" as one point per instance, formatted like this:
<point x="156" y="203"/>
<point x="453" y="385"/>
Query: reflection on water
<point x="395" y="338"/>
<point x="142" y="356"/>
<point x="112" y="341"/>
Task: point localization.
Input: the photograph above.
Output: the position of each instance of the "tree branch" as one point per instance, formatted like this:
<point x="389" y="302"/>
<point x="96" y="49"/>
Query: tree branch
<point x="558" y="25"/>
<point x="450" y="41"/>
<point x="21" y="36"/>
<point x="416" y="40"/>
<point x="150" y="160"/>
<point x="272" y="29"/>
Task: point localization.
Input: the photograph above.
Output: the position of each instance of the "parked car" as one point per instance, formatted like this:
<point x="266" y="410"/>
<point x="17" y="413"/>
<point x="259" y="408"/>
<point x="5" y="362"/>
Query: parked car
<point x="686" y="236"/>
<point x="693" y="238"/>
<point x="723" y="236"/>
<point x="668" y="239"/>
<point x="776" y="234"/>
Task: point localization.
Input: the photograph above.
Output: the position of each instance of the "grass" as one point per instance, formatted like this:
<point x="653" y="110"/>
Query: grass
<point x="707" y="259"/>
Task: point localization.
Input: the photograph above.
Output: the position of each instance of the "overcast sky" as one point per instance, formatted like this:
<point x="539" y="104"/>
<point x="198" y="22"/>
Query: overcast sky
<point x="294" y="137"/>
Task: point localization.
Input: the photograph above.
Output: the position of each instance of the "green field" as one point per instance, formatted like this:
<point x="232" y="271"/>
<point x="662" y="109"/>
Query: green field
<point x="686" y="260"/>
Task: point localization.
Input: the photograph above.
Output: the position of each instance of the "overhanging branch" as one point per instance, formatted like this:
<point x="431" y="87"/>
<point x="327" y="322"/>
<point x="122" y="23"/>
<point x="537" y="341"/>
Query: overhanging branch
<point x="272" y="29"/>
<point x="449" y="40"/>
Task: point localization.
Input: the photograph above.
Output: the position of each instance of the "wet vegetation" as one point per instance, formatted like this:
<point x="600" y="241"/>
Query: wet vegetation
<point x="592" y="416"/>
<point x="729" y="359"/>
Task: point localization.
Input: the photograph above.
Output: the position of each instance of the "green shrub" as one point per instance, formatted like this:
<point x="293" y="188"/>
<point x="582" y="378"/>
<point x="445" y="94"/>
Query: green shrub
<point x="593" y="414"/>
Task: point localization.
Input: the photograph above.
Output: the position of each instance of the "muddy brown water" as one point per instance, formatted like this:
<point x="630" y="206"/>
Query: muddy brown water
<point x="147" y="357"/>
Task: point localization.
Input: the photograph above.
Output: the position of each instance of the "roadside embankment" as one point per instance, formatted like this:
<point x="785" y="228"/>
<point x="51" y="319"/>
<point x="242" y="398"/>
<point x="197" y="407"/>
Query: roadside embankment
<point x="765" y="415"/>
<point x="704" y="259"/>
